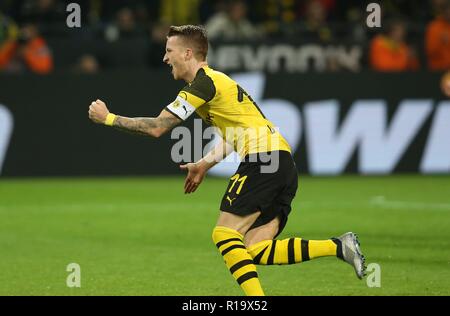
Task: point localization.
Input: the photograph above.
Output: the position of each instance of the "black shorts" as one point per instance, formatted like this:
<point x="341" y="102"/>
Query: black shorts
<point x="252" y="188"/>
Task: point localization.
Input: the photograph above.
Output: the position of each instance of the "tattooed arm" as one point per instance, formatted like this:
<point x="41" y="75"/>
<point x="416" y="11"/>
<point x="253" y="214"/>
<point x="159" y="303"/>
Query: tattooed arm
<point x="147" y="126"/>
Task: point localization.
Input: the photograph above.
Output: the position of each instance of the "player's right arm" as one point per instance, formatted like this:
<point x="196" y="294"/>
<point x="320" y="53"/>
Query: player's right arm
<point x="147" y="126"/>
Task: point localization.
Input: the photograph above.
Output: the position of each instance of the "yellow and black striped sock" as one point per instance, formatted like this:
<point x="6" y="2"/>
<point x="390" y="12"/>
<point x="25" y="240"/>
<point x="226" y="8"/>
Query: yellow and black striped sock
<point x="238" y="260"/>
<point x="293" y="250"/>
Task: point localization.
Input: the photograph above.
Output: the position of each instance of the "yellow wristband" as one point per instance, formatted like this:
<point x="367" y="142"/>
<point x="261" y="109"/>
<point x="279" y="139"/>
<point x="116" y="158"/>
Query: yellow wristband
<point x="110" y="119"/>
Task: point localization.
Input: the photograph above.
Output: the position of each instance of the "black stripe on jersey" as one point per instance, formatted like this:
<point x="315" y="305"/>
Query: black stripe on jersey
<point x="240" y="97"/>
<point x="256" y="106"/>
<point x="202" y="86"/>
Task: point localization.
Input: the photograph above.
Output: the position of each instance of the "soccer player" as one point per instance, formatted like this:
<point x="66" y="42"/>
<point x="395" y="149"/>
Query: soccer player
<point x="257" y="202"/>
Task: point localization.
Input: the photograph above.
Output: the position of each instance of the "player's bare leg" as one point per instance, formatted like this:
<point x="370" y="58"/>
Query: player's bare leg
<point x="261" y="233"/>
<point x="240" y="223"/>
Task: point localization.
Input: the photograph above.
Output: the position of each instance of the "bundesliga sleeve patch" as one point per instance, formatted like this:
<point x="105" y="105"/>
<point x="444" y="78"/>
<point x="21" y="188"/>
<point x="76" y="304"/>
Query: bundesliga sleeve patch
<point x="181" y="108"/>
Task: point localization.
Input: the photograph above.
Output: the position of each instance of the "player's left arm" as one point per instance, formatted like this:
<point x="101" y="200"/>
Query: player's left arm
<point x="197" y="171"/>
<point x="146" y="126"/>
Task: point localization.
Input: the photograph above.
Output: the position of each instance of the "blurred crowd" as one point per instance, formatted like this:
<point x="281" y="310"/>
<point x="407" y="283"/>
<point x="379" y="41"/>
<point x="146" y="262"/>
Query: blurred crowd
<point x="414" y="34"/>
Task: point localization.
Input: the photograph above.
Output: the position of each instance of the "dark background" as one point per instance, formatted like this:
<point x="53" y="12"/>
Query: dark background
<point x="53" y="136"/>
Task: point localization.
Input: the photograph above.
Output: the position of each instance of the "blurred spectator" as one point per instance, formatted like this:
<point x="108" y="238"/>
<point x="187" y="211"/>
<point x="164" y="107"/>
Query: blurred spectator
<point x="389" y="52"/>
<point x="356" y="25"/>
<point x="437" y="40"/>
<point x="124" y="26"/>
<point x="43" y="10"/>
<point x="8" y="29"/>
<point x="437" y="7"/>
<point x="142" y="16"/>
<point x="277" y="17"/>
<point x="315" y="26"/>
<point x="29" y="51"/>
<point x="232" y="24"/>
<point x="328" y="6"/>
<point x="157" y="45"/>
<point x="179" y="12"/>
<point x="413" y="9"/>
<point x="340" y="22"/>
<point x="207" y="8"/>
<point x="87" y="64"/>
<point x="50" y="15"/>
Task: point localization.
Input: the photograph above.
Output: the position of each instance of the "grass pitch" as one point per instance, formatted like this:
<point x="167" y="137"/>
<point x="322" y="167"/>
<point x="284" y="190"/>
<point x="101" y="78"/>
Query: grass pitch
<point x="143" y="236"/>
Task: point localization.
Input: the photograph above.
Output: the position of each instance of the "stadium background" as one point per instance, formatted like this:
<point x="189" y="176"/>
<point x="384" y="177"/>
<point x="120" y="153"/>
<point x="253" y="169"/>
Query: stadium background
<point x="370" y="142"/>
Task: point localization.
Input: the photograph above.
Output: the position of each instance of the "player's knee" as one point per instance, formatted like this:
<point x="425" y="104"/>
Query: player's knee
<point x="250" y="241"/>
<point x="247" y="242"/>
<point x="261" y="233"/>
<point x="218" y="234"/>
<point x="221" y="233"/>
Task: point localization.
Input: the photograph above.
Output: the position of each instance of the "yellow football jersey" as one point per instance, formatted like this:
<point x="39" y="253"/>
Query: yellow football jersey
<point x="222" y="103"/>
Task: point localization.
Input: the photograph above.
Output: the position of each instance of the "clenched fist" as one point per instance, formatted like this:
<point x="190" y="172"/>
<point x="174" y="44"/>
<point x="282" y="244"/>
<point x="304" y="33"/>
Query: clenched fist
<point x="98" y="112"/>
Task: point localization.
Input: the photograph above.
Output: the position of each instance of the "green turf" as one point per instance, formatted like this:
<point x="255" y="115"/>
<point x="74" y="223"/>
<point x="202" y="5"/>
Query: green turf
<point x="142" y="236"/>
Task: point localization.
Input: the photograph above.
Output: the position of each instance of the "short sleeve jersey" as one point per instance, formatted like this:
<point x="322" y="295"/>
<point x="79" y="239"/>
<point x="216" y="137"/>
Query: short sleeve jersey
<point x="222" y="103"/>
